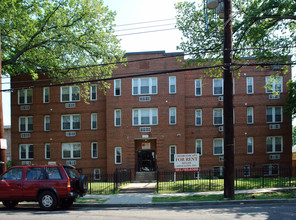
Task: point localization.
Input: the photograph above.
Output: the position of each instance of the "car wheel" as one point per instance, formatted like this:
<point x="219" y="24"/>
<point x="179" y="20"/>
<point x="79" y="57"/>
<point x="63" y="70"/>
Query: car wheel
<point x="48" y="200"/>
<point x="82" y="184"/>
<point x="67" y="203"/>
<point x="10" y="204"/>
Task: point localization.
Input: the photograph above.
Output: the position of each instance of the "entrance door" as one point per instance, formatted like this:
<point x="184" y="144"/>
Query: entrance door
<point x="146" y="160"/>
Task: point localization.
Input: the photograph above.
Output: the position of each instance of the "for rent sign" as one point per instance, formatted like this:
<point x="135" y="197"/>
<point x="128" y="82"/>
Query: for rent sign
<point x="186" y="162"/>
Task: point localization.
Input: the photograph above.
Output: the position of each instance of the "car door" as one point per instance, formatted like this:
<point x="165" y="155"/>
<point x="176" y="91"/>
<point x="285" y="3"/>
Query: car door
<point x="11" y="184"/>
<point x="33" y="181"/>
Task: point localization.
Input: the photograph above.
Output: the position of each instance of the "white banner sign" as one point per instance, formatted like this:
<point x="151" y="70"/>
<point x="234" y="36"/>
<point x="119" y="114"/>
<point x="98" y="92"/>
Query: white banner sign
<point x="186" y="162"/>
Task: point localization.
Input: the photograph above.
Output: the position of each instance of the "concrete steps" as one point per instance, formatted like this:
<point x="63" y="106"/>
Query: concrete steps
<point x="145" y="177"/>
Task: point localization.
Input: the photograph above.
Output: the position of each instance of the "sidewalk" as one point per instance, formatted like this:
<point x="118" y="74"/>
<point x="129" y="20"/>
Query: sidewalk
<point x="145" y="199"/>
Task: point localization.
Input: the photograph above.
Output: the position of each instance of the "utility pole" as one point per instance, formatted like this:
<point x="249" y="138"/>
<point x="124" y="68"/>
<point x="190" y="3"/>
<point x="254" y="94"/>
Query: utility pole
<point x="228" y="104"/>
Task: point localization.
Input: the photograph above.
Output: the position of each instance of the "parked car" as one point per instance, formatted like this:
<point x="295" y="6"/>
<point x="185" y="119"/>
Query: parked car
<point x="50" y="185"/>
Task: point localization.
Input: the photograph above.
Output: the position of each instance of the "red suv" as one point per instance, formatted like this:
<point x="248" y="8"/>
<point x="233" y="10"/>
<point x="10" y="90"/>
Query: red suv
<point x="50" y="185"/>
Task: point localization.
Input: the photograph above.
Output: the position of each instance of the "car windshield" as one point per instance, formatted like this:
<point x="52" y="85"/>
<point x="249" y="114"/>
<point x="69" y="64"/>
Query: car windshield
<point x="13" y="174"/>
<point x="72" y="173"/>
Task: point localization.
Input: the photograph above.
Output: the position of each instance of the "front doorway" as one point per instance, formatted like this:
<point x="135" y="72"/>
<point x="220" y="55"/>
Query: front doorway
<point x="146" y="160"/>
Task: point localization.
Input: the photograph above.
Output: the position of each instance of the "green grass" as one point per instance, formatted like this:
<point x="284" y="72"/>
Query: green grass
<point x="90" y="200"/>
<point x="103" y="188"/>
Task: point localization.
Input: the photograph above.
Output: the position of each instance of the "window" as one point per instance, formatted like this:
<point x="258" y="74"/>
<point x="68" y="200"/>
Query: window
<point x="97" y="174"/>
<point x="198" y="87"/>
<point x="173" y="115"/>
<point x="26" y="123"/>
<point x="71" y="150"/>
<point x="274" y="144"/>
<point x="26" y="151"/>
<point x="247" y="170"/>
<point x="13" y="174"/>
<point x="70" y="93"/>
<point x="53" y="173"/>
<point x="145" y="116"/>
<point x="144" y="86"/>
<point x="217" y="86"/>
<point x="198" y="117"/>
<point x="35" y="173"/>
<point x="198" y="146"/>
<point x="94" y="150"/>
<point x="274" y="114"/>
<point x="94" y="121"/>
<point x="117" y="87"/>
<point x="47" y="151"/>
<point x="172" y="85"/>
<point x="218" y="146"/>
<point x="46" y="95"/>
<point x="173" y="151"/>
<point x="218" y="116"/>
<point x="25" y="96"/>
<point x="271" y="169"/>
<point x="218" y="171"/>
<point x="46" y="123"/>
<point x="70" y="122"/>
<point x="117" y="117"/>
<point x="93" y="92"/>
<point x="250" y="85"/>
<point x="250" y="145"/>
<point x="250" y="115"/>
<point x="274" y="84"/>
<point x="118" y="155"/>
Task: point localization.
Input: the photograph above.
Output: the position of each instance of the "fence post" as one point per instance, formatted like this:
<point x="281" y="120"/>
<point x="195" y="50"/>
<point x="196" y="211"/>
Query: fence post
<point x="183" y="180"/>
<point x="262" y="177"/>
<point x="157" y="180"/>
<point x="115" y="181"/>
<point x="90" y="183"/>
<point x="290" y="176"/>
<point x="236" y="178"/>
<point x="210" y="176"/>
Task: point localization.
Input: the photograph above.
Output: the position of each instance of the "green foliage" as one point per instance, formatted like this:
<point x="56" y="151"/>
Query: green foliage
<point x="61" y="38"/>
<point x="290" y="108"/>
<point x="9" y="164"/>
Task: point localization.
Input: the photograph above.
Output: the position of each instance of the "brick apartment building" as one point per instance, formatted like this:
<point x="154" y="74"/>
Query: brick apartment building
<point x="140" y="122"/>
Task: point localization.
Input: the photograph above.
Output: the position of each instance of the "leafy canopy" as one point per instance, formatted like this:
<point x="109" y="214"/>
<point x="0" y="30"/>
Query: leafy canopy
<point x="60" y="38"/>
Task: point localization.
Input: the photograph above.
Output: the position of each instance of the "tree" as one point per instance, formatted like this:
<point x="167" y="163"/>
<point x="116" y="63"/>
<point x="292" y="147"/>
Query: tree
<point x="265" y="29"/>
<point x="59" y="38"/>
<point x="290" y="108"/>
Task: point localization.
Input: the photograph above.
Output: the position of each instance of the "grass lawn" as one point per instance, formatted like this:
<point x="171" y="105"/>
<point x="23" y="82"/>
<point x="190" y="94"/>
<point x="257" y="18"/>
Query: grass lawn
<point x="90" y="200"/>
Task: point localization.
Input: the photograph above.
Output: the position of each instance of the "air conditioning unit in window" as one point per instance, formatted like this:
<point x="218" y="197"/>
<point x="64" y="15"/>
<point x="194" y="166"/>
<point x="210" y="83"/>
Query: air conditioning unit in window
<point x="70" y="133"/>
<point x="145" y="129"/>
<point x="70" y="105"/>
<point x="220" y="98"/>
<point x="274" y="157"/>
<point x="221" y="159"/>
<point x="26" y="163"/>
<point x="274" y="126"/>
<point x="25" y="135"/>
<point x="71" y="162"/>
<point x="276" y="67"/>
<point x="144" y="98"/>
<point x="221" y="128"/>
<point x="25" y="107"/>
<point x="273" y="96"/>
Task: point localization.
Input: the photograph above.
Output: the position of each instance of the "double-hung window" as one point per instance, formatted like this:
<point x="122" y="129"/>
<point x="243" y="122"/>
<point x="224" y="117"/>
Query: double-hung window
<point x="172" y="152"/>
<point x="47" y="151"/>
<point x="118" y="155"/>
<point x="70" y="122"/>
<point x="218" y="86"/>
<point x="94" y="150"/>
<point x="198" y="87"/>
<point x="250" y="115"/>
<point x="25" y="96"/>
<point x="250" y="145"/>
<point x="117" y="117"/>
<point x="172" y="85"/>
<point x="46" y="123"/>
<point x="218" y="116"/>
<point x="93" y="92"/>
<point x="218" y="147"/>
<point x="97" y="174"/>
<point x="274" y="84"/>
<point x="70" y="94"/>
<point x="198" y="146"/>
<point x="250" y="85"/>
<point x="198" y="117"/>
<point x="71" y="150"/>
<point x="144" y="86"/>
<point x="26" y="123"/>
<point x="145" y="116"/>
<point x="274" y="114"/>
<point x="46" y="95"/>
<point x="173" y="115"/>
<point x="26" y="152"/>
<point x="117" y="87"/>
<point x="94" y="121"/>
<point x="274" y="144"/>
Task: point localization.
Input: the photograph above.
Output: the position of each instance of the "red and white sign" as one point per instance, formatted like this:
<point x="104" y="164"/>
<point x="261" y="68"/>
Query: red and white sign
<point x="186" y="162"/>
<point x="3" y="144"/>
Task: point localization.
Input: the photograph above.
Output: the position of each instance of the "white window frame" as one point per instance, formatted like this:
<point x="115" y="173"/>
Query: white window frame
<point x="117" y="87"/>
<point x="139" y="112"/>
<point x="250" y="83"/>
<point x="71" y="93"/>
<point x="93" y="121"/>
<point x="273" y="144"/>
<point x="198" y="85"/>
<point x="172" y="115"/>
<point x="172" y="153"/>
<point x="25" y="94"/>
<point x="46" y="94"/>
<point x="27" y="127"/>
<point x="71" y="146"/>
<point x="94" y="148"/>
<point x="247" y="170"/>
<point x="97" y="171"/>
<point x="198" y="114"/>
<point x="250" y="145"/>
<point x="172" y="84"/>
<point x="221" y="170"/>
<point x="214" y="86"/>
<point x="198" y="144"/>
<point x="27" y="151"/>
<point x="93" y="90"/>
<point x="250" y="114"/>
<point x="273" y="84"/>
<point x="219" y="146"/>
<point x="215" y="111"/>
<point x="117" y="117"/>
<point x="71" y="122"/>
<point x="137" y="83"/>
<point x="47" y="150"/>
<point x="273" y="114"/>
<point x="46" y="122"/>
<point x="118" y="154"/>
<point x="270" y="168"/>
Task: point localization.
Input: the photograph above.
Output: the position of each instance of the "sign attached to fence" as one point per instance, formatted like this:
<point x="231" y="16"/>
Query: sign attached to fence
<point x="3" y="144"/>
<point x="186" y="162"/>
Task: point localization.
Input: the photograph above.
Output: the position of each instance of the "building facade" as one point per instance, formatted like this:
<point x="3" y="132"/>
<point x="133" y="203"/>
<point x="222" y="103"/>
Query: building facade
<point x="141" y="121"/>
